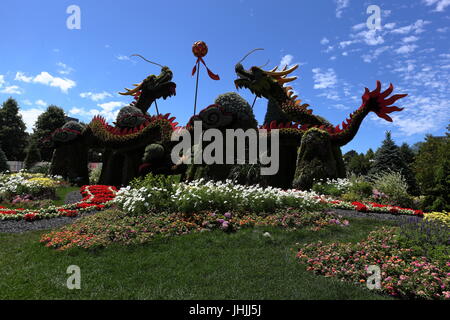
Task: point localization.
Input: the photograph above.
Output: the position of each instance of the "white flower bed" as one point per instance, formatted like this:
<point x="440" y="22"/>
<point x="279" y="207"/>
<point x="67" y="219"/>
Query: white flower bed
<point x="209" y="195"/>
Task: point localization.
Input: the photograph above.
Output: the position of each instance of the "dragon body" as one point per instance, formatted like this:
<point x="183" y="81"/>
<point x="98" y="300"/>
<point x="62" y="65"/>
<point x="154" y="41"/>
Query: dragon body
<point x="314" y="140"/>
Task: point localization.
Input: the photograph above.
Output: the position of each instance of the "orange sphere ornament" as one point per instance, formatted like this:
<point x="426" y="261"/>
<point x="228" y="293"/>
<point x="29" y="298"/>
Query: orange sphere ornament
<point x="199" y="49"/>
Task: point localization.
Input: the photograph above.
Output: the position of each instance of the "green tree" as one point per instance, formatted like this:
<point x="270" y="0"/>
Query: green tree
<point x="407" y="154"/>
<point x="389" y="157"/>
<point x="52" y="119"/>
<point x="13" y="137"/>
<point x="33" y="155"/>
<point x="3" y="161"/>
<point x="356" y="163"/>
<point x="431" y="166"/>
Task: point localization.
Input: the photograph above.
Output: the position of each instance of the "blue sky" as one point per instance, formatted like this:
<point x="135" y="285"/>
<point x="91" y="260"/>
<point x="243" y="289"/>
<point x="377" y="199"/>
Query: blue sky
<point x="43" y="62"/>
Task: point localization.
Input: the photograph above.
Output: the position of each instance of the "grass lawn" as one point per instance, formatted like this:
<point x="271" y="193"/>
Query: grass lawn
<point x="209" y="265"/>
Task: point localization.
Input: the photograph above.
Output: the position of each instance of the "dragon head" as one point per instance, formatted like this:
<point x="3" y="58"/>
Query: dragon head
<point x="269" y="84"/>
<point x="153" y="87"/>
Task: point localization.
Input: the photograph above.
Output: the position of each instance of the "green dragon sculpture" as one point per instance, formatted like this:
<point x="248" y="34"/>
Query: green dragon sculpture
<point x="310" y="145"/>
<point x="124" y="144"/>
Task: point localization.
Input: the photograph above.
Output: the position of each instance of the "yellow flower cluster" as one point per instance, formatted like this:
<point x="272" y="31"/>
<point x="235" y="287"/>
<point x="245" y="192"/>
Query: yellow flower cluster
<point x="44" y="182"/>
<point x="441" y="216"/>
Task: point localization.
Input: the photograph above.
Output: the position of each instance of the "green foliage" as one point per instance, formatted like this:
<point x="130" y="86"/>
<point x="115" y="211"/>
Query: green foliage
<point x="53" y="118"/>
<point x="33" y="155"/>
<point x="3" y="161"/>
<point x="13" y="137"/>
<point x="356" y="163"/>
<point x="247" y="174"/>
<point x="41" y="168"/>
<point x="394" y="185"/>
<point x="427" y="238"/>
<point x="432" y="172"/>
<point x="359" y="189"/>
<point x="327" y="189"/>
<point x="389" y="158"/>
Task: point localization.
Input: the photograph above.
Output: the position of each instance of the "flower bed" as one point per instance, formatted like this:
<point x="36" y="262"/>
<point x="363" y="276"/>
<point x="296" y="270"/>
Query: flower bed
<point x="31" y="184"/>
<point x="201" y="195"/>
<point x="94" y="197"/>
<point x="110" y="227"/>
<point x="373" y="207"/>
<point x="403" y="273"/>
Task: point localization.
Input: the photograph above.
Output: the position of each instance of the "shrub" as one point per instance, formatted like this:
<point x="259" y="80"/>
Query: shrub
<point x="394" y="185"/>
<point x="40" y="168"/>
<point x="332" y="187"/>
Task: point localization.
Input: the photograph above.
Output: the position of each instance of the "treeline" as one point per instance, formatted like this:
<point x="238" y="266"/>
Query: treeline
<point x="18" y="145"/>
<point x="425" y="167"/>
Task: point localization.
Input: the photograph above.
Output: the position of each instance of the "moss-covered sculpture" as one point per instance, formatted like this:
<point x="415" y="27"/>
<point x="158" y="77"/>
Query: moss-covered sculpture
<point x="124" y="144"/>
<point x="140" y="143"/>
<point x="309" y="144"/>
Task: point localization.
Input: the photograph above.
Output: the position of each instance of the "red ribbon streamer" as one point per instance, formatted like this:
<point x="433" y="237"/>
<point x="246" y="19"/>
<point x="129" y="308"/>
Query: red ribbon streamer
<point x="210" y="73"/>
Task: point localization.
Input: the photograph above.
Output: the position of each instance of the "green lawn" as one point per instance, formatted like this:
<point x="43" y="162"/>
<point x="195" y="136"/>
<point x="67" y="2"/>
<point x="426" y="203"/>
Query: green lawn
<point x="210" y="265"/>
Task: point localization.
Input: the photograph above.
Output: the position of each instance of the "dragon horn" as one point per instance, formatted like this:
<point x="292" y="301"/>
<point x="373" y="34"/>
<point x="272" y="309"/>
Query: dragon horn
<point x="131" y="92"/>
<point x="281" y="73"/>
<point x="286" y="80"/>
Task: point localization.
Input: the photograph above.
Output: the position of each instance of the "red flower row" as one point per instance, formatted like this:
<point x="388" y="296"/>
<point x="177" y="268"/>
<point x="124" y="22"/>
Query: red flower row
<point x="94" y="197"/>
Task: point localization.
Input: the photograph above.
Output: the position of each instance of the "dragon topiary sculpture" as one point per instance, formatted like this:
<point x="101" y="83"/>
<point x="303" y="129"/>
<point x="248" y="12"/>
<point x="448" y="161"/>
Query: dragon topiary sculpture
<point x="310" y="145"/>
<point x="139" y="143"/>
<point x="126" y="144"/>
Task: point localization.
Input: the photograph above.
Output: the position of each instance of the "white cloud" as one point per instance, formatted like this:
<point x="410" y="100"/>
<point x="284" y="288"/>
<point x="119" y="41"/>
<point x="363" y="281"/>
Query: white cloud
<point x="30" y="116"/>
<point x="359" y="26"/>
<point x="405" y="49"/>
<point x="417" y="27"/>
<point x="369" y="57"/>
<point x="20" y="76"/>
<point x="109" y="110"/>
<point x="109" y="106"/>
<point x="443" y="29"/>
<point x="410" y="39"/>
<point x="2" y="80"/>
<point x="286" y="60"/>
<point x="440" y="4"/>
<point x="11" y="90"/>
<point x="27" y="102"/>
<point x="41" y="103"/>
<point x="122" y="57"/>
<point x="324" y="79"/>
<point x="324" y="41"/>
<point x="340" y="6"/>
<point x="96" y="96"/>
<point x="64" y="68"/>
<point x="47" y="79"/>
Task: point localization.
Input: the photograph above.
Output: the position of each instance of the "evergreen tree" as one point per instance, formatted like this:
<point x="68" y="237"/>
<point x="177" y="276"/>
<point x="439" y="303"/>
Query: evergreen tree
<point x="407" y="154"/>
<point x="33" y="155"/>
<point x="3" y="161"/>
<point x="52" y="119"/>
<point x="13" y="137"/>
<point x="389" y="157"/>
